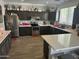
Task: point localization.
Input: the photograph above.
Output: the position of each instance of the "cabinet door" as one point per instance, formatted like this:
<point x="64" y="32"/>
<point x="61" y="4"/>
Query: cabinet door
<point x="24" y="31"/>
<point x="28" y="31"/>
<point x="75" y="18"/>
<point x="5" y="47"/>
<point x="44" y="30"/>
<point x="52" y="17"/>
<point x="45" y="49"/>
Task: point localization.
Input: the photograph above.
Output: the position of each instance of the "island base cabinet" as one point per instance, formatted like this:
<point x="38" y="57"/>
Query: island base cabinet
<point x="5" y="47"/>
<point x="48" y="50"/>
<point x="51" y="54"/>
<point x="45" y="50"/>
<point x="44" y="30"/>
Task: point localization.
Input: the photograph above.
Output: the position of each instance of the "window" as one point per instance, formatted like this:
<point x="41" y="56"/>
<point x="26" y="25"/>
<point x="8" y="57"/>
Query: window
<point x="66" y="15"/>
<point x="70" y="15"/>
<point x="63" y="15"/>
<point x="57" y="15"/>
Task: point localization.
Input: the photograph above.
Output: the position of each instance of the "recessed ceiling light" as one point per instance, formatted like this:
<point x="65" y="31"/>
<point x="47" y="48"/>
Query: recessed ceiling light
<point x="22" y="0"/>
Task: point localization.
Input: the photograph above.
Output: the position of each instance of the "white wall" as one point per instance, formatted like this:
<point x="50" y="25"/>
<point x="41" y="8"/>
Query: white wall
<point x="27" y="6"/>
<point x="3" y="12"/>
<point x="68" y="4"/>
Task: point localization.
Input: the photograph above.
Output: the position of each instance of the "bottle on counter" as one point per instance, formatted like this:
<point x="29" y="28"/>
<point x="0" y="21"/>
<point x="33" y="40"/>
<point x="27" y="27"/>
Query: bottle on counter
<point x="44" y="22"/>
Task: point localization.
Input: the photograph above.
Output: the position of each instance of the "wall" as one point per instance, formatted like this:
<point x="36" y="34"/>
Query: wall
<point x="26" y="6"/>
<point x="67" y="4"/>
<point x="24" y="14"/>
<point x="3" y="12"/>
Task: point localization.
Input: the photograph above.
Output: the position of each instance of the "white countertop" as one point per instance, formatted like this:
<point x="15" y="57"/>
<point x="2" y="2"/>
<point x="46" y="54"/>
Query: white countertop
<point x="68" y="30"/>
<point x="44" y="24"/>
<point x="62" y="41"/>
<point x="3" y="35"/>
<point x="24" y="25"/>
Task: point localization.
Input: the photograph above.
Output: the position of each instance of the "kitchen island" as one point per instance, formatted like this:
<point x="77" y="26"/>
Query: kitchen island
<point x="59" y="41"/>
<point x="5" y="43"/>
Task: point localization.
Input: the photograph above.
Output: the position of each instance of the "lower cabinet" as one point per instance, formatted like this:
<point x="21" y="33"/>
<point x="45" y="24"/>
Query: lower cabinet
<point x="44" y="30"/>
<point x="25" y="31"/>
<point x="45" y="50"/>
<point x="5" y="47"/>
<point x="49" y="52"/>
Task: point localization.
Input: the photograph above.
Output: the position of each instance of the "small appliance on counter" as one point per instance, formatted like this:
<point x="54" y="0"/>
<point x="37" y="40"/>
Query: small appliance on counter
<point x="44" y="22"/>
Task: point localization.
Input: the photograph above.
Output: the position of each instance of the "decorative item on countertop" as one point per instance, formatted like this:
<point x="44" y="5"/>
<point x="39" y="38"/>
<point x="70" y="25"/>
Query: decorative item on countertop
<point x="44" y="22"/>
<point x="2" y="31"/>
<point x="77" y="5"/>
<point x="56" y="23"/>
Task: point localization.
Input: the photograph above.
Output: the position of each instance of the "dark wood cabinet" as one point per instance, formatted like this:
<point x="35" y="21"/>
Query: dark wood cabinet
<point x="25" y="31"/>
<point x="75" y="18"/>
<point x="5" y="47"/>
<point x="52" y="17"/>
<point x="47" y="30"/>
<point x="45" y="49"/>
<point x="44" y="30"/>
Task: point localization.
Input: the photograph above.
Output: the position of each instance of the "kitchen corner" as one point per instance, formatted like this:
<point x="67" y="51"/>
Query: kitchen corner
<point x="36" y="29"/>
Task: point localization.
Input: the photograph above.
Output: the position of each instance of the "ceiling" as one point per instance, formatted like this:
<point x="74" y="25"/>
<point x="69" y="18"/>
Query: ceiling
<point x="45" y="2"/>
<point x="38" y="1"/>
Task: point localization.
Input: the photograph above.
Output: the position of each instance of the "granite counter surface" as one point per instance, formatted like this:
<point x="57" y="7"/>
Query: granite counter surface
<point x="3" y="35"/>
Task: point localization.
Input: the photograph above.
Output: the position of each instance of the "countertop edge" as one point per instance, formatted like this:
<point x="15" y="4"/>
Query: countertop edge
<point x="4" y="35"/>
